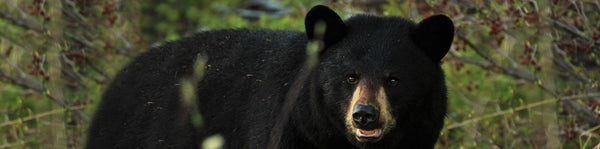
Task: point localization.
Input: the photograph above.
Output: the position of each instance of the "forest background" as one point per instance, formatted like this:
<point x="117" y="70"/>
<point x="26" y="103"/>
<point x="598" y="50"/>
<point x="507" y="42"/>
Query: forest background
<point x="520" y="73"/>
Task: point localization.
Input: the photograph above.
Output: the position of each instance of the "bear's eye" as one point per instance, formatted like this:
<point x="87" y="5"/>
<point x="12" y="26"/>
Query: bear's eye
<point x="392" y="81"/>
<point x="352" y="79"/>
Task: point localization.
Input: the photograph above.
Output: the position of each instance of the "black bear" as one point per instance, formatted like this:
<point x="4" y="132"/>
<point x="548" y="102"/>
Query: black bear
<point x="377" y="84"/>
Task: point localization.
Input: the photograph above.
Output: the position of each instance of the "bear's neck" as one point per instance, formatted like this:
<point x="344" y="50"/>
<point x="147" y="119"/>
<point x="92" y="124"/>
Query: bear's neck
<point x="311" y="123"/>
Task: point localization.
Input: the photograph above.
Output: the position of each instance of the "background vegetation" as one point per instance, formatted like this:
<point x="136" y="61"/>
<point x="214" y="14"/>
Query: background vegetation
<point x="520" y="74"/>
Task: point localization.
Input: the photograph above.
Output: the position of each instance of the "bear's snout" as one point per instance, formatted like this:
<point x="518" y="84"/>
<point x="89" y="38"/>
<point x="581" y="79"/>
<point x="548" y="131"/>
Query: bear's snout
<point x="365" y="116"/>
<point x="368" y="115"/>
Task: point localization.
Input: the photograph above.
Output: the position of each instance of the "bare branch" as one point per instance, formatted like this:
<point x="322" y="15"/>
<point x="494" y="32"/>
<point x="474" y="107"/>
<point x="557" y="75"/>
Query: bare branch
<point x="10" y="145"/>
<point x="523" y="107"/>
<point x="464" y="98"/>
<point x="573" y="30"/>
<point x="37" y="116"/>
<point x="67" y="8"/>
<point x="570" y="29"/>
<point x="24" y="80"/>
<point x="67" y="69"/>
<point x="103" y="78"/>
<point x="25" y="23"/>
<point x="24" y="83"/>
<point x="561" y="61"/>
<point x="28" y="82"/>
<point x="482" y="64"/>
<point x="589" y="116"/>
<point x="517" y="72"/>
<point x="128" y="44"/>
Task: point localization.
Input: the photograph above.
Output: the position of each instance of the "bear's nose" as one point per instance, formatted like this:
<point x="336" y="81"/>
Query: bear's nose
<point x="365" y="116"/>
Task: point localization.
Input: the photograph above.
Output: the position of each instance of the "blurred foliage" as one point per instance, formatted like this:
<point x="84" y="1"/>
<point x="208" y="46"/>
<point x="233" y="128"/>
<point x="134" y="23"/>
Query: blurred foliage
<point x="520" y="74"/>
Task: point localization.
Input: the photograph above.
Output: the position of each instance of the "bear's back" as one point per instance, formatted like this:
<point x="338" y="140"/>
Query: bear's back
<point x="243" y="89"/>
<point x="247" y="71"/>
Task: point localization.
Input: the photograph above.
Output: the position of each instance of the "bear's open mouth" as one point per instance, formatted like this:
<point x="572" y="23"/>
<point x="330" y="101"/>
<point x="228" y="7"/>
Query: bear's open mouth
<point x="368" y="135"/>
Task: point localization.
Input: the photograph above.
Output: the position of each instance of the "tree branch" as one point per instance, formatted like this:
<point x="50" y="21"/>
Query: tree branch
<point x="39" y="115"/>
<point x="28" y="82"/>
<point x="515" y="71"/>
<point x="24" y="80"/>
<point x="25" y="23"/>
<point x="561" y="61"/>
<point x="574" y="31"/>
<point x="523" y="107"/>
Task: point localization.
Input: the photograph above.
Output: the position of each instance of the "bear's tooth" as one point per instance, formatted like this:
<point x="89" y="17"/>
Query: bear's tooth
<point x="368" y="133"/>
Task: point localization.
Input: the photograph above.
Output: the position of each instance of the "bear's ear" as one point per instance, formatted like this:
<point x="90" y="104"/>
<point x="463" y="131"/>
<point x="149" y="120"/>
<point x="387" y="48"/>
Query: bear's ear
<point x="434" y="35"/>
<point x="335" y="29"/>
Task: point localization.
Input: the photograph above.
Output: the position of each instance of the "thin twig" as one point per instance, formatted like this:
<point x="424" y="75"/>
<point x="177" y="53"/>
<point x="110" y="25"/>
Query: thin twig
<point x="588" y="132"/>
<point x="570" y="29"/>
<point x="102" y="79"/>
<point x="463" y="97"/>
<point x="40" y="115"/>
<point x="128" y="44"/>
<point x="9" y="145"/>
<point x="562" y="61"/>
<point x="517" y="72"/>
<point x="523" y="107"/>
<point x="26" y="22"/>
<point x="573" y="30"/>
<point x="482" y="64"/>
<point x="26" y="81"/>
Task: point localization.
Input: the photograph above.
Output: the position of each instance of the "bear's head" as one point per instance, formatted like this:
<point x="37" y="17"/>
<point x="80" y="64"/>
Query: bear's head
<point x="380" y="77"/>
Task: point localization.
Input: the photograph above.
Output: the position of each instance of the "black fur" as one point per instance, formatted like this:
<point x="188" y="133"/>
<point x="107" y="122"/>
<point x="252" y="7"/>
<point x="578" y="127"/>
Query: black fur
<point x="335" y="28"/>
<point x="249" y="72"/>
